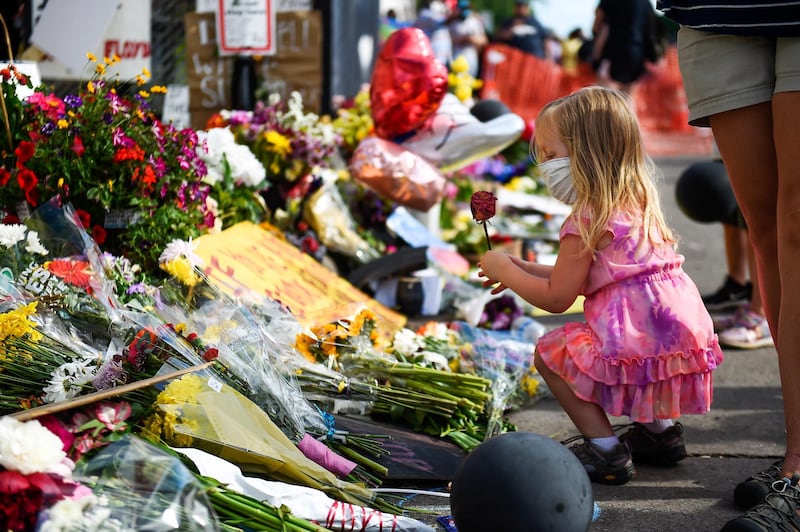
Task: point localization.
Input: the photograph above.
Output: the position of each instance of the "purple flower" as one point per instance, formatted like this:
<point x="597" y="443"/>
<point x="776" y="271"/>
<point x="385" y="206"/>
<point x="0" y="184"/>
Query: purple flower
<point x="48" y="128"/>
<point x="73" y="100"/>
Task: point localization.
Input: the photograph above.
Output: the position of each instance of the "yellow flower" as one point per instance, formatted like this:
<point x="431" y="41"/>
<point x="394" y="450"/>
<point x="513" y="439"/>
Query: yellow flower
<point x="145" y="72"/>
<point x="158" y="89"/>
<point x="91" y="57"/>
<point x="62" y="124"/>
<point x="18" y="323"/>
<point x="181" y="391"/>
<point x="303" y="343"/>
<point x="144" y="94"/>
<point x="107" y="60"/>
<point x="182" y="270"/>
<point x="140" y="81"/>
<point x="100" y="68"/>
<point x="90" y="87"/>
<point x="278" y="143"/>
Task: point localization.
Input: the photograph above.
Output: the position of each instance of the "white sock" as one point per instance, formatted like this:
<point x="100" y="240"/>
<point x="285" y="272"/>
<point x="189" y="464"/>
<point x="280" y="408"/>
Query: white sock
<point x="659" y="425"/>
<point x="606" y="443"/>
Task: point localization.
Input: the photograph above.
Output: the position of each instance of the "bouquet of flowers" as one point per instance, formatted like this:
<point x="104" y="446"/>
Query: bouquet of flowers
<point x="290" y="143"/>
<point x="104" y="150"/>
<point x="35" y="474"/>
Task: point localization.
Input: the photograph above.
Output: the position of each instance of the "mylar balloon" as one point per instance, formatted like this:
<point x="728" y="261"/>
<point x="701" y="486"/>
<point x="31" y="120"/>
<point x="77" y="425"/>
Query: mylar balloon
<point x="407" y="85"/>
<point x="397" y="174"/>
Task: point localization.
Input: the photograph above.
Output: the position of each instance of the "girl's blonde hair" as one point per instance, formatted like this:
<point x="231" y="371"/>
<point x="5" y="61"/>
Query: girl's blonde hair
<point x="610" y="168"/>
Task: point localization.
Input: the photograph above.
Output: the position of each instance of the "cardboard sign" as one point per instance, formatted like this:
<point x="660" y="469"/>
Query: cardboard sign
<point x="246" y="27"/>
<point x="246" y="258"/>
<point x="297" y="65"/>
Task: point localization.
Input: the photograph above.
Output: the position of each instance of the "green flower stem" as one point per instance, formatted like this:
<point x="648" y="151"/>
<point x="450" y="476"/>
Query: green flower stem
<point x="245" y="510"/>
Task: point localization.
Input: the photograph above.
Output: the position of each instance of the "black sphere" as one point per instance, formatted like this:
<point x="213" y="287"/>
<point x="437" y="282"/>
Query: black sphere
<point x="704" y="194"/>
<point x="486" y="110"/>
<point x="521" y="481"/>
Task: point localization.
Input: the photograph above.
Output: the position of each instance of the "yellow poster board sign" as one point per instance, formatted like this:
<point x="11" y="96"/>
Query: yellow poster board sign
<point x="246" y="258"/>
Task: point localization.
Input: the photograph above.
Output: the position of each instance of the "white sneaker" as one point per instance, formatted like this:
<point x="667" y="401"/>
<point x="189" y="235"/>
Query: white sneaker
<point x="749" y="332"/>
<point x="452" y="137"/>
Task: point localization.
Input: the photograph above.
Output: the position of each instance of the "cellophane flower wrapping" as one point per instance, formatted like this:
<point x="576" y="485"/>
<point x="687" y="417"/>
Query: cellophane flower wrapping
<point x="73" y="274"/>
<point x="326" y="212"/>
<point x="503" y="357"/>
<point x="304" y="502"/>
<point x="145" y="488"/>
<point x="244" y="348"/>
<point x="199" y="411"/>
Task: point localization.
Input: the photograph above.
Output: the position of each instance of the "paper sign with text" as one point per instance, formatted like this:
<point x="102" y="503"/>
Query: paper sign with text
<point x="246" y="27"/>
<point x="246" y="258"/>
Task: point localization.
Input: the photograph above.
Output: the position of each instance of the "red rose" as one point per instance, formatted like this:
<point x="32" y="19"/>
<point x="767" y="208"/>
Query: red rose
<point x="5" y="175"/>
<point x="482" y="205"/>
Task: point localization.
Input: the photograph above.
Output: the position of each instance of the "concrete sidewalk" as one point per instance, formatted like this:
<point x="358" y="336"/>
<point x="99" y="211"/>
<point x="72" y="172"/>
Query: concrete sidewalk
<point x="741" y="435"/>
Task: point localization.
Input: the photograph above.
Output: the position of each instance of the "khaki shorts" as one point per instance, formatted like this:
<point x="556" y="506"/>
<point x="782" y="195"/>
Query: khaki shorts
<point x="724" y="72"/>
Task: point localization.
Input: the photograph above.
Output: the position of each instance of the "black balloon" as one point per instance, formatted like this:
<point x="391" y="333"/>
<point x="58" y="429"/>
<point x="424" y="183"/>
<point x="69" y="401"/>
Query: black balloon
<point x="703" y="192"/>
<point x="521" y="481"/>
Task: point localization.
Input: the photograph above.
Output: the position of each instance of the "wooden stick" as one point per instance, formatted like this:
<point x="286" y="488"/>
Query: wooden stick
<point x="33" y="413"/>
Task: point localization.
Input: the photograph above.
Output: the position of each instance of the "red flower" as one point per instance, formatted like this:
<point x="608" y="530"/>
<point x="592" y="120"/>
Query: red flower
<point x="5" y="175"/>
<point x="23" y="496"/>
<point x="57" y="427"/>
<point x="71" y="272"/>
<point x="32" y="196"/>
<point x="77" y="146"/>
<point x="482" y="205"/>
<point x="99" y="234"/>
<point x="26" y="179"/>
<point x="84" y="216"/>
<point x="129" y="154"/>
<point x="11" y="219"/>
<point x="211" y="354"/>
<point x="24" y="152"/>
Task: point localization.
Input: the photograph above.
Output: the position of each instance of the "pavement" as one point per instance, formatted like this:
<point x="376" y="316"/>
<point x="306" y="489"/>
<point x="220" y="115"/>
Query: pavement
<point x="741" y="435"/>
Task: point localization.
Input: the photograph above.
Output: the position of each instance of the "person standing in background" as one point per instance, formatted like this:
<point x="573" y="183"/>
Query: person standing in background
<point x="523" y="31"/>
<point x="432" y="20"/>
<point x="468" y="35"/>
<point x="740" y="63"/>
<point x="622" y="30"/>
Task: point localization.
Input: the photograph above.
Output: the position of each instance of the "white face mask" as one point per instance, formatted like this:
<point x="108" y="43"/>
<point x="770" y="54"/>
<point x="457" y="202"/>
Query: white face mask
<point x="557" y="177"/>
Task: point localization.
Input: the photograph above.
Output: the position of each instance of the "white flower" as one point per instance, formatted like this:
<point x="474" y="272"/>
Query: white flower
<point x="407" y="342"/>
<point x="28" y="447"/>
<point x="181" y="249"/>
<point x="246" y="169"/>
<point x="10" y="234"/>
<point x="67" y="381"/>
<point x="34" y="245"/>
<point x="218" y="146"/>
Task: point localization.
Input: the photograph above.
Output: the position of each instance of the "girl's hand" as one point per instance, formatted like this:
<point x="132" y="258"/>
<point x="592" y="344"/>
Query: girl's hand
<point x="490" y="266"/>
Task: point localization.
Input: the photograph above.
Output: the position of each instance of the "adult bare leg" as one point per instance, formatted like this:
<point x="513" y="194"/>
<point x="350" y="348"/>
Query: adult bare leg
<point x="786" y="113"/>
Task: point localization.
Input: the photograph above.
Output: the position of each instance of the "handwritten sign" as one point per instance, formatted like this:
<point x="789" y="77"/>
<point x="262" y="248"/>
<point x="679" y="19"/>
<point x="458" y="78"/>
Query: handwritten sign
<point x="246" y="258"/>
<point x="297" y="65"/>
<point x="245" y="27"/>
<point x="176" y="106"/>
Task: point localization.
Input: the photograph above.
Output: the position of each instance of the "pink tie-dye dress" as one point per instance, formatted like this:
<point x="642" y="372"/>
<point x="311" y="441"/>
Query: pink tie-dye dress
<point x="648" y="348"/>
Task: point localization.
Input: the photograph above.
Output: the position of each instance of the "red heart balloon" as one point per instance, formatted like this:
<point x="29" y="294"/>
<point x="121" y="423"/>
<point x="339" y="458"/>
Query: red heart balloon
<point x="408" y="83"/>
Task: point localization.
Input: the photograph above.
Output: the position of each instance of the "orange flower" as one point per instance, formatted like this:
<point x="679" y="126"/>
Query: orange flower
<point x="71" y="272"/>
